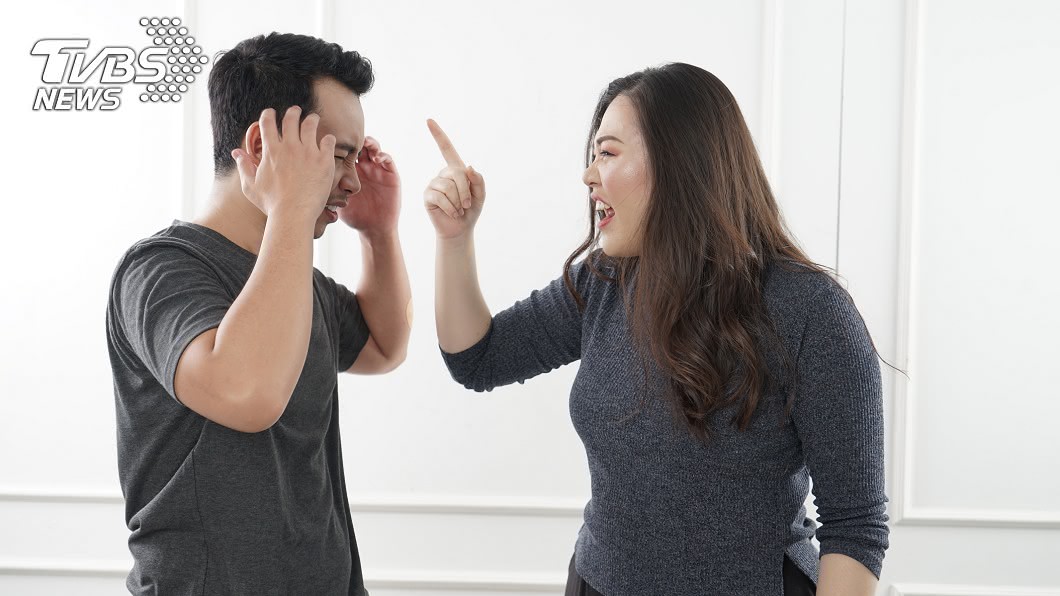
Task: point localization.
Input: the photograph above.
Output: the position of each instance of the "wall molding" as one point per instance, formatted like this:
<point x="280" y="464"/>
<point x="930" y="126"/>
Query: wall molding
<point x="324" y="249"/>
<point x="424" y="580"/>
<point x="83" y="496"/>
<point x="380" y="503"/>
<point x="903" y="510"/>
<point x="474" y="582"/>
<point x="384" y="579"/>
<point x="64" y="568"/>
<point x="188" y="188"/>
<point x="968" y="590"/>
<point x="769" y="98"/>
<point x="977" y="518"/>
<point x="465" y="582"/>
<point x="903" y="416"/>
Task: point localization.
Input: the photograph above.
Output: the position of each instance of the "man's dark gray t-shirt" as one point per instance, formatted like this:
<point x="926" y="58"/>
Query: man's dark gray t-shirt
<point x="213" y="510"/>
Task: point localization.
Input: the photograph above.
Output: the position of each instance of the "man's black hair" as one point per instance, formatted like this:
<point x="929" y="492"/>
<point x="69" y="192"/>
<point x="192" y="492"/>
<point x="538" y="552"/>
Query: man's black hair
<point x="273" y="71"/>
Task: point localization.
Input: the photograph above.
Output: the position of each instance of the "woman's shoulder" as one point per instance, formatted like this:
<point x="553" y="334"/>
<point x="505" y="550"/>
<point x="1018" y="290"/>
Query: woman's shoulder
<point x="798" y="290"/>
<point x="796" y="280"/>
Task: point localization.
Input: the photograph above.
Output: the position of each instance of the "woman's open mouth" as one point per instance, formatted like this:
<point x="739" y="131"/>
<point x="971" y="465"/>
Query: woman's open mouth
<point x="604" y="213"/>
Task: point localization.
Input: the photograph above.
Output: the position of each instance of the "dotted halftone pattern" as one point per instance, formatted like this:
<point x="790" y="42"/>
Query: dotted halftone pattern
<point x="185" y="59"/>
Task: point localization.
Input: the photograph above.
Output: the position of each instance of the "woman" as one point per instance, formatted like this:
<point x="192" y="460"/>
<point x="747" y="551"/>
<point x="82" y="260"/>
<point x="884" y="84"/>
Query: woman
<point x="720" y="367"/>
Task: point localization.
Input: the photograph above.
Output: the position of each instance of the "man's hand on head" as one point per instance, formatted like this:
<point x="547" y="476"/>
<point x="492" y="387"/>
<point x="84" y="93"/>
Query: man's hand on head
<point x="375" y="208"/>
<point x="294" y="173"/>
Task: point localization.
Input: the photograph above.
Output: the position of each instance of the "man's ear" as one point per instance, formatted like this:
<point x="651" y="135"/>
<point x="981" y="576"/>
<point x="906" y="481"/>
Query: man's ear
<point x="252" y="142"/>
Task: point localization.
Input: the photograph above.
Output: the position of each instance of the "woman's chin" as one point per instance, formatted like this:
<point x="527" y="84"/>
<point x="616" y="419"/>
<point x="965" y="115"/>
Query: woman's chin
<point x="612" y="249"/>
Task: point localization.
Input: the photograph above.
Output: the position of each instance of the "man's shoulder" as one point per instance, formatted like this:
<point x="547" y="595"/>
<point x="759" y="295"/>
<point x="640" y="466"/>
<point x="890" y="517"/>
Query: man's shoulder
<point x="171" y="260"/>
<point x="169" y="240"/>
<point x="150" y="269"/>
<point x="194" y="239"/>
<point x="181" y="242"/>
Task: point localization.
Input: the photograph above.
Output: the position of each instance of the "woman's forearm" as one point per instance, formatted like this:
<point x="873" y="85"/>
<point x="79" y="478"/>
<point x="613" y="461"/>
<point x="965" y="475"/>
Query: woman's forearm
<point x="843" y="576"/>
<point x="460" y="311"/>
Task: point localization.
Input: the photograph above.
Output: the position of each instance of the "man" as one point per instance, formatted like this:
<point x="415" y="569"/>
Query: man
<point x="226" y="343"/>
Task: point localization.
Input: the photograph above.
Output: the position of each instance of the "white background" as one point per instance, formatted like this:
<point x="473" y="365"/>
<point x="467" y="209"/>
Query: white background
<point x="913" y="145"/>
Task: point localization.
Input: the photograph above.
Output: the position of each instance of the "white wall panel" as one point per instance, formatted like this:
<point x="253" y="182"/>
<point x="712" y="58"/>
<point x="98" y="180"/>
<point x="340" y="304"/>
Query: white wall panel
<point x="981" y="216"/>
<point x="79" y="188"/>
<point x="515" y="91"/>
<point x="912" y="145"/>
<point x="808" y="103"/>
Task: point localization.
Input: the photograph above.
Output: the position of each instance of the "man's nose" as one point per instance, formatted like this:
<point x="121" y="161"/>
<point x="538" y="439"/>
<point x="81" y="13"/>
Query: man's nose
<point x="350" y="183"/>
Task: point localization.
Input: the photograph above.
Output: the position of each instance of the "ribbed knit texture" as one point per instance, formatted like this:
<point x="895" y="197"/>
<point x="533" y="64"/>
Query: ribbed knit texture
<point x="671" y="516"/>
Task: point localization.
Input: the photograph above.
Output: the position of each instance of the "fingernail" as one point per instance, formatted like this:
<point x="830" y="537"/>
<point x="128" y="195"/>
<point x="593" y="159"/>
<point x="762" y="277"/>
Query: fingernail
<point x="467" y="204"/>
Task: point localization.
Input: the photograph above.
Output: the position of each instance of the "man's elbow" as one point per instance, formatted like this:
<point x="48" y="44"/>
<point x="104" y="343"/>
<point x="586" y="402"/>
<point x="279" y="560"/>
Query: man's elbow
<point x="391" y="357"/>
<point x="394" y="360"/>
<point x="373" y="360"/>
<point x="254" y="413"/>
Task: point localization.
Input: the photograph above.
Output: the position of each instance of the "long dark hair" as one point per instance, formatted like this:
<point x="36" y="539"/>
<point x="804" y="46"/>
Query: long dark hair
<point x="711" y="227"/>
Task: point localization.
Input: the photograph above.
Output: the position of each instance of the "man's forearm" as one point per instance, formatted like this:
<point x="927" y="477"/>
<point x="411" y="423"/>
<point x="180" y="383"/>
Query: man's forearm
<point x="843" y="576"/>
<point x="262" y="341"/>
<point x="384" y="294"/>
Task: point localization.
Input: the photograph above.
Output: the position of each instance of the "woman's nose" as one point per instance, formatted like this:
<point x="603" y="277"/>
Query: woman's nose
<point x="589" y="176"/>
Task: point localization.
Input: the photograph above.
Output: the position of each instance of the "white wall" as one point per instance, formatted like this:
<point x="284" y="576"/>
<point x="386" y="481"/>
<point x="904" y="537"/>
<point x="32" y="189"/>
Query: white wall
<point x="912" y="145"/>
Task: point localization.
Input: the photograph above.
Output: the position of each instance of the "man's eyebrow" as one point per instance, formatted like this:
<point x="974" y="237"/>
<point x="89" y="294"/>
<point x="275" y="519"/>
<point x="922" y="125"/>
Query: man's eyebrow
<point x="346" y="147"/>
<point x="608" y="138"/>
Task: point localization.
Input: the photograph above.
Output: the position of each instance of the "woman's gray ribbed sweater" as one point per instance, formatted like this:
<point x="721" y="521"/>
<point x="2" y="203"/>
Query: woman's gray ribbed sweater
<point x="672" y="516"/>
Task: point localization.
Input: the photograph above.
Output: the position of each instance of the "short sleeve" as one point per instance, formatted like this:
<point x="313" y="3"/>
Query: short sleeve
<point x="353" y="329"/>
<point x="162" y="299"/>
<point x="838" y="415"/>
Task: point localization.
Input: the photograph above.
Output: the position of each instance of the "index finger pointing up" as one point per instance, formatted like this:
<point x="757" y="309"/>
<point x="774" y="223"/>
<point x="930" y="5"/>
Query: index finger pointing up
<point x="445" y="145"/>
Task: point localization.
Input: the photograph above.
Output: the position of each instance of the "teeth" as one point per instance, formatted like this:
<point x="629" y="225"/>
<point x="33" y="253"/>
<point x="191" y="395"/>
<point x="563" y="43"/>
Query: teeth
<point x="603" y="210"/>
<point x="333" y="208"/>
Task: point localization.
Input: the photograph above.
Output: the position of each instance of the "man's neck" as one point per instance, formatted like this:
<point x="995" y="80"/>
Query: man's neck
<point x="230" y="214"/>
